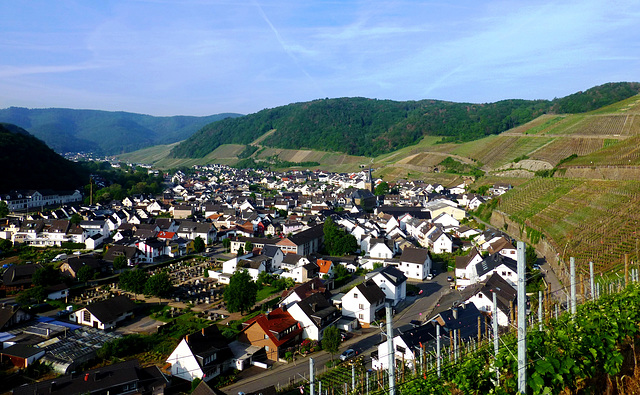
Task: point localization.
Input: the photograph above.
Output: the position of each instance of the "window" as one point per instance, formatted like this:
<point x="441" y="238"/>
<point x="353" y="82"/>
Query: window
<point x="400" y="349"/>
<point x="266" y="336"/>
<point x="361" y="316"/>
<point x="361" y="306"/>
<point x="266" y="348"/>
<point x="355" y="295"/>
<point x="86" y="316"/>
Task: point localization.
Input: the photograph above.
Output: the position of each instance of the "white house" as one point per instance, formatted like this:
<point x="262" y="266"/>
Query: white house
<point x="363" y="302"/>
<point x="314" y="313"/>
<point x="407" y="346"/>
<point x="378" y="249"/>
<point x="481" y="295"/>
<point x="391" y="281"/>
<point x="104" y="314"/>
<point x="415" y="263"/>
<point x="203" y="355"/>
<point x="465" y="267"/>
<point x="505" y="267"/>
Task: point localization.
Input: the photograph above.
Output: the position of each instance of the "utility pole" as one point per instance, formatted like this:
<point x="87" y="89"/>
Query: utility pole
<point x="496" y="344"/>
<point x="311" y="376"/>
<point x="540" y="310"/>
<point x="390" y="350"/>
<point x="522" y="320"/>
<point x="572" y="269"/>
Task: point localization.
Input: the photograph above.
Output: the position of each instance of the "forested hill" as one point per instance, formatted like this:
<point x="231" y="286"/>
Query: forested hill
<point x="103" y="132"/>
<point x="29" y="164"/>
<point x="370" y="127"/>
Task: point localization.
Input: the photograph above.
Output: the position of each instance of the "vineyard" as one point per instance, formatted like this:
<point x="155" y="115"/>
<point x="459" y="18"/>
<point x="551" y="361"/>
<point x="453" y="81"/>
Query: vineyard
<point x="538" y="125"/>
<point x="623" y="153"/>
<point x="563" y="147"/>
<point x="497" y="151"/>
<point x="590" y="220"/>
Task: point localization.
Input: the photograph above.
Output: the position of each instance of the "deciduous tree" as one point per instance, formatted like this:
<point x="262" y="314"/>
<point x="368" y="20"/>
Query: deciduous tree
<point x="331" y="340"/>
<point x="240" y="295"/>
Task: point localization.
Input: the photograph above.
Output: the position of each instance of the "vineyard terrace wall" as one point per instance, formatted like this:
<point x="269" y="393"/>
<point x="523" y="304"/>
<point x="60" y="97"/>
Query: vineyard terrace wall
<point x="542" y="246"/>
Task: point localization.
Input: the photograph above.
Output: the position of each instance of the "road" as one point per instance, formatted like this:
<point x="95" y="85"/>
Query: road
<point x="414" y="308"/>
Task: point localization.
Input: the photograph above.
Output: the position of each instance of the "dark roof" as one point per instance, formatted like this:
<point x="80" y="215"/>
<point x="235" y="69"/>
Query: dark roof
<point x="318" y="308"/>
<point x="99" y="380"/>
<point x="118" y="250"/>
<point x="393" y="275"/>
<point x="414" y="255"/>
<point x="19" y="274"/>
<point x="270" y="250"/>
<point x="204" y="389"/>
<point x="75" y="263"/>
<point x="110" y="309"/>
<point x="466" y="320"/>
<point x="422" y="334"/>
<point x="21" y="351"/>
<point x="505" y="292"/>
<point x="6" y="313"/>
<point x="493" y="261"/>
<point x="371" y="291"/>
<point x="315" y="232"/>
<point x="304" y="290"/>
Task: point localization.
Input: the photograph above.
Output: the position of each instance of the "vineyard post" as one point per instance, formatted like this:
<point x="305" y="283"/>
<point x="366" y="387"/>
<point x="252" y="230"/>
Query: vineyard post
<point x="479" y="327"/>
<point x="572" y="269"/>
<point x="626" y="269"/>
<point x="455" y="346"/>
<point x="522" y="321"/>
<point x="496" y="344"/>
<point x="390" y="350"/>
<point x="591" y="282"/>
<point x="353" y="374"/>
<point x="540" y="301"/>
<point x="367" y="382"/>
<point x="311" y="376"/>
<point x="438" y="347"/>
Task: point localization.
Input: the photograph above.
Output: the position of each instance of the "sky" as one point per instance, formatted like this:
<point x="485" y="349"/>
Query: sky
<point x="204" y="57"/>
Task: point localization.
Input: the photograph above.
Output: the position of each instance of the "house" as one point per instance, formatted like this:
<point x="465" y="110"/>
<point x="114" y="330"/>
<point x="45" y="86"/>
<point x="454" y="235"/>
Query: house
<point x="481" y="295"/>
<point x="151" y="249"/>
<point x="182" y="211"/>
<point x="275" y="254"/>
<point x="131" y="254"/>
<point x="314" y="313"/>
<point x="21" y="355"/>
<point x="72" y="266"/>
<point x="204" y="355"/>
<point x="119" y="378"/>
<point x="18" y="277"/>
<point x="303" y="243"/>
<point x="415" y="263"/>
<point x="12" y="315"/>
<point x="408" y="346"/>
<point x="104" y="314"/>
<point x="465" y="267"/>
<point x="302" y="291"/>
<point x="275" y="331"/>
<point x="391" y="281"/>
<point x="503" y="247"/>
<point x="365" y="302"/>
<point x="507" y="268"/>
<point x="379" y="249"/>
<point x="439" y="241"/>
<point x="463" y="319"/>
<point x="325" y="268"/>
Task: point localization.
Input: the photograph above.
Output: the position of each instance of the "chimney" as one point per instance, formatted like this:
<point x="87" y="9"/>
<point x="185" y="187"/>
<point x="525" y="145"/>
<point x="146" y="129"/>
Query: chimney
<point x="86" y="377"/>
<point x="455" y="313"/>
<point x="186" y="338"/>
<point x="202" y="331"/>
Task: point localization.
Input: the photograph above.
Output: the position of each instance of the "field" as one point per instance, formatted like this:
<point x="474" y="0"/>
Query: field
<point x="563" y="147"/>
<point x="591" y="220"/>
<point x="495" y="151"/>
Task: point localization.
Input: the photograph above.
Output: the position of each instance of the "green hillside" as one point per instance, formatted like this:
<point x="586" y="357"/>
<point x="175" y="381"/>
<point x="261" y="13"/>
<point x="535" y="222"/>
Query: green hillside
<point x="370" y="127"/>
<point x="30" y="164"/>
<point x="103" y="132"/>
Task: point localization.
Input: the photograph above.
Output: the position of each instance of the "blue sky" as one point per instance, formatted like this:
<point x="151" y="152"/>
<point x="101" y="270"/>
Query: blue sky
<point x="201" y="57"/>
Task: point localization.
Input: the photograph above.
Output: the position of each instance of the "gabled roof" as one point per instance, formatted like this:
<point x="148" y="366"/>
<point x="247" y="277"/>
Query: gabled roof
<point x="270" y="250"/>
<point x="414" y="255"/>
<point x="274" y="323"/>
<point x="110" y="309"/>
<point x="390" y="273"/>
<point x="317" y="307"/>
<point x="206" y="342"/>
<point x="423" y="334"/>
<point x="466" y="320"/>
<point x="307" y="235"/>
<point x="304" y="290"/>
<point x="499" y="245"/>
<point x="505" y="293"/>
<point x="19" y="274"/>
<point x="371" y="291"/>
<point x="493" y="261"/>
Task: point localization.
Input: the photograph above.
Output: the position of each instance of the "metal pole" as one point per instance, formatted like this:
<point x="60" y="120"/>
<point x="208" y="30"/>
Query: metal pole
<point x="522" y="320"/>
<point x="319" y="388"/>
<point x="392" y="381"/>
<point x="438" y="347"/>
<point x="572" y="269"/>
<point x="455" y="346"/>
<point x="311" y="376"/>
<point x="591" y="282"/>
<point x="540" y="310"/>
<point x="496" y="344"/>
<point x="367" y="382"/>
<point x="353" y="377"/>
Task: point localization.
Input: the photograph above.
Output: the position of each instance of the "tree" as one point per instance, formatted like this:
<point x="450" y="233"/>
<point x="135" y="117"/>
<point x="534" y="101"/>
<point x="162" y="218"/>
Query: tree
<point x="5" y="245"/>
<point x="4" y="209"/>
<point x="158" y="285"/>
<point x="76" y="219"/>
<point x="120" y="262"/>
<point x="240" y="295"/>
<point x="36" y="294"/>
<point x="45" y="276"/>
<point x="85" y="273"/>
<point x="226" y="243"/>
<point x="331" y="340"/>
<point x="248" y="246"/>
<point x="381" y="189"/>
<point x="198" y="244"/>
<point x="240" y="251"/>
<point x="531" y="256"/>
<point x="133" y="280"/>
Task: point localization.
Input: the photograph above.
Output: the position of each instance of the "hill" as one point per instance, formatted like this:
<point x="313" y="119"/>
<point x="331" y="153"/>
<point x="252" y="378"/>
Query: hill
<point x="370" y="127"/>
<point x="29" y="163"/>
<point x="103" y="132"/>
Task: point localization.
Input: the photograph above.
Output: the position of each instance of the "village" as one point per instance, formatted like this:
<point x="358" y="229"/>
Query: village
<point x="329" y="251"/>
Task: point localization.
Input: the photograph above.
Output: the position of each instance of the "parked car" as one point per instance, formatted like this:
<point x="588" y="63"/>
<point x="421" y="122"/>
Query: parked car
<point x="350" y="353"/>
<point x="450" y="279"/>
<point x="429" y="276"/>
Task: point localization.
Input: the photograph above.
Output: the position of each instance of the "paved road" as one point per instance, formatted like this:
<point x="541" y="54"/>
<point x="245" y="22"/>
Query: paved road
<point x="414" y="308"/>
